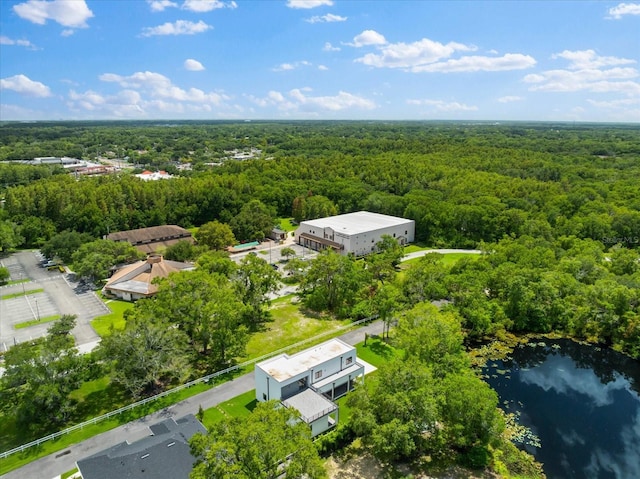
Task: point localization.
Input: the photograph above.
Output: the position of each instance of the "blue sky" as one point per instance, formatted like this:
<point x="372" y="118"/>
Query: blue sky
<point x="320" y="59"/>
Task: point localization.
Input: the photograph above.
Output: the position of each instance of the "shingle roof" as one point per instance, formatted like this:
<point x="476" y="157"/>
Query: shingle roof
<point x="138" y="277"/>
<point x="163" y="455"/>
<point x="153" y="234"/>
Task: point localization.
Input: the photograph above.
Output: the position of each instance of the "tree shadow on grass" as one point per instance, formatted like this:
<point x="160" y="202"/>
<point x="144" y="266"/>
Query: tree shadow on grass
<point x="101" y="402"/>
<point x="380" y="348"/>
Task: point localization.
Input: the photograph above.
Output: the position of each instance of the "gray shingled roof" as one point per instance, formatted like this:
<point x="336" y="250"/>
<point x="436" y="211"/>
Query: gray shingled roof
<point x="163" y="455"/>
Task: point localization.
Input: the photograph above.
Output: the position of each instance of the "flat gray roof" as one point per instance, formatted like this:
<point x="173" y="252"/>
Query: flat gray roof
<point x="359" y="222"/>
<point x="310" y="405"/>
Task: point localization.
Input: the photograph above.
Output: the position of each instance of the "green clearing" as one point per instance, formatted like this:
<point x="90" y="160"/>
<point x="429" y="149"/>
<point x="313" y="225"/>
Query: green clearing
<point x="18" y="281"/>
<point x="287" y="225"/>
<point x="239" y="406"/>
<point x="376" y="352"/>
<point x="289" y="324"/>
<point x="448" y="259"/>
<point x="33" y="322"/>
<point x="115" y="320"/>
<point x="22" y="293"/>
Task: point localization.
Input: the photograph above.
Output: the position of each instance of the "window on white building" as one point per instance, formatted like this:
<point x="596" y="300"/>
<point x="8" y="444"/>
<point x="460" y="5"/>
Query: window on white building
<point x="318" y="375"/>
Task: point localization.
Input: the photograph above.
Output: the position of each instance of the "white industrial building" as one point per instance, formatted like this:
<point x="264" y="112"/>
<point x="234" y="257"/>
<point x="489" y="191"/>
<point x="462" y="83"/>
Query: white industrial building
<point x="310" y="380"/>
<point x="355" y="233"/>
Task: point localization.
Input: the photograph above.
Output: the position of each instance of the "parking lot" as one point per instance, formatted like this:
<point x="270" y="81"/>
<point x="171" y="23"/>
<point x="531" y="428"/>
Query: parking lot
<point x="60" y="295"/>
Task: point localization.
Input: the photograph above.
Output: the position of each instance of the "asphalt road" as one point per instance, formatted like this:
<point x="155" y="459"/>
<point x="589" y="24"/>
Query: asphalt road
<point x="53" y="465"/>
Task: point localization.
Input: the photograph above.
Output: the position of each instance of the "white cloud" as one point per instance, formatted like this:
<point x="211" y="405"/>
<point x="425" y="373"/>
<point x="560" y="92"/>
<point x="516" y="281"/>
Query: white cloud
<point x="198" y="6"/>
<point x="159" y="86"/>
<point x="298" y="99"/>
<point x="623" y="9"/>
<point x="412" y="55"/>
<point x="179" y="27"/>
<point x="193" y="65"/>
<point x="587" y="72"/>
<point x="160" y="5"/>
<point x="21" y="43"/>
<point x="67" y="32"/>
<point x="557" y="374"/>
<point x="291" y="66"/>
<point x="368" y="37"/>
<point x="330" y="48"/>
<point x="615" y="104"/>
<point x="582" y="59"/>
<point x="443" y="106"/>
<point x="308" y="3"/>
<point x="124" y="104"/>
<point x="68" y="13"/>
<point x="342" y="101"/>
<point x="323" y="68"/>
<point x="328" y="18"/>
<point x="24" y="85"/>
<point x="202" y="6"/>
<point x="509" y="99"/>
<point x="509" y="61"/>
<point x="15" y="112"/>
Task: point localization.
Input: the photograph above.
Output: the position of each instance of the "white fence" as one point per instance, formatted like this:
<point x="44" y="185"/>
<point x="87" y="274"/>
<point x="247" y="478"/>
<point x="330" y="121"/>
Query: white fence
<point x="207" y="378"/>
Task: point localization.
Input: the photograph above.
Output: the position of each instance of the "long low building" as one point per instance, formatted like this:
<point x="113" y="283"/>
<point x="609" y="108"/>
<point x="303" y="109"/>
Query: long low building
<point x="355" y="233"/>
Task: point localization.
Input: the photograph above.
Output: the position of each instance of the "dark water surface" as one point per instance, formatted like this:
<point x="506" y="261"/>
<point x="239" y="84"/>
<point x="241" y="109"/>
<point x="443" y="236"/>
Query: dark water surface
<point x="583" y="403"/>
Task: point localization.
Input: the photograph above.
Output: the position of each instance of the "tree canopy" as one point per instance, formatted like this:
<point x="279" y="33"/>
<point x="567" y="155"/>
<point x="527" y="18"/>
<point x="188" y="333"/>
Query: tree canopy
<point x="270" y="443"/>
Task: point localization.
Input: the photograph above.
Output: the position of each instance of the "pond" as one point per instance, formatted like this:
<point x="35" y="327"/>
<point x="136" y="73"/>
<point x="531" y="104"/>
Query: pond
<point x="582" y="402"/>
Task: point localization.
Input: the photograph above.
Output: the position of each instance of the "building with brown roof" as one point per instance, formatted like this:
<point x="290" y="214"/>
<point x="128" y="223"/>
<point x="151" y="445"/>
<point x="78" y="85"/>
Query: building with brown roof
<point x="135" y="281"/>
<point x="152" y="239"/>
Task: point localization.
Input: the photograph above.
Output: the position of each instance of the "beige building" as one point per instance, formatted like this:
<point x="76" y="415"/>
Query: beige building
<point x="135" y="281"/>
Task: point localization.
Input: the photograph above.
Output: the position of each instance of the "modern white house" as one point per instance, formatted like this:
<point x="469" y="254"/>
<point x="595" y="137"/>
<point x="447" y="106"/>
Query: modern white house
<point x="355" y="233"/>
<point x="310" y="380"/>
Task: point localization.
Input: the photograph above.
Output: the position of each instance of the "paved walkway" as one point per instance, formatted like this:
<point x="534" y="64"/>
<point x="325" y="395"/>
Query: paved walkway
<point x="52" y="466"/>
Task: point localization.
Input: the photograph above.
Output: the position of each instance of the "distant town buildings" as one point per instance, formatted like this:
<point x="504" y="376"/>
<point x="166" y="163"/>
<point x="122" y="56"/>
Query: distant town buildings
<point x="154" y="175"/>
<point x="355" y="233"/>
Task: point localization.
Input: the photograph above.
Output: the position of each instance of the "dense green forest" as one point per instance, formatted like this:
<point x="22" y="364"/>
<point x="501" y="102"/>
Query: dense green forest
<point x="461" y="183"/>
<point x="555" y="209"/>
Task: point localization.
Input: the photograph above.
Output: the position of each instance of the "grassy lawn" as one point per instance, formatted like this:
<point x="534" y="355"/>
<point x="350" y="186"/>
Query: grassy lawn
<point x="17" y="281"/>
<point x="286" y="225"/>
<point x="448" y="259"/>
<point x="70" y="473"/>
<point x="376" y="352"/>
<point x="33" y="322"/>
<point x="288" y="326"/>
<point x="239" y="406"/>
<point x="103" y="324"/>
<point x="25" y="293"/>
